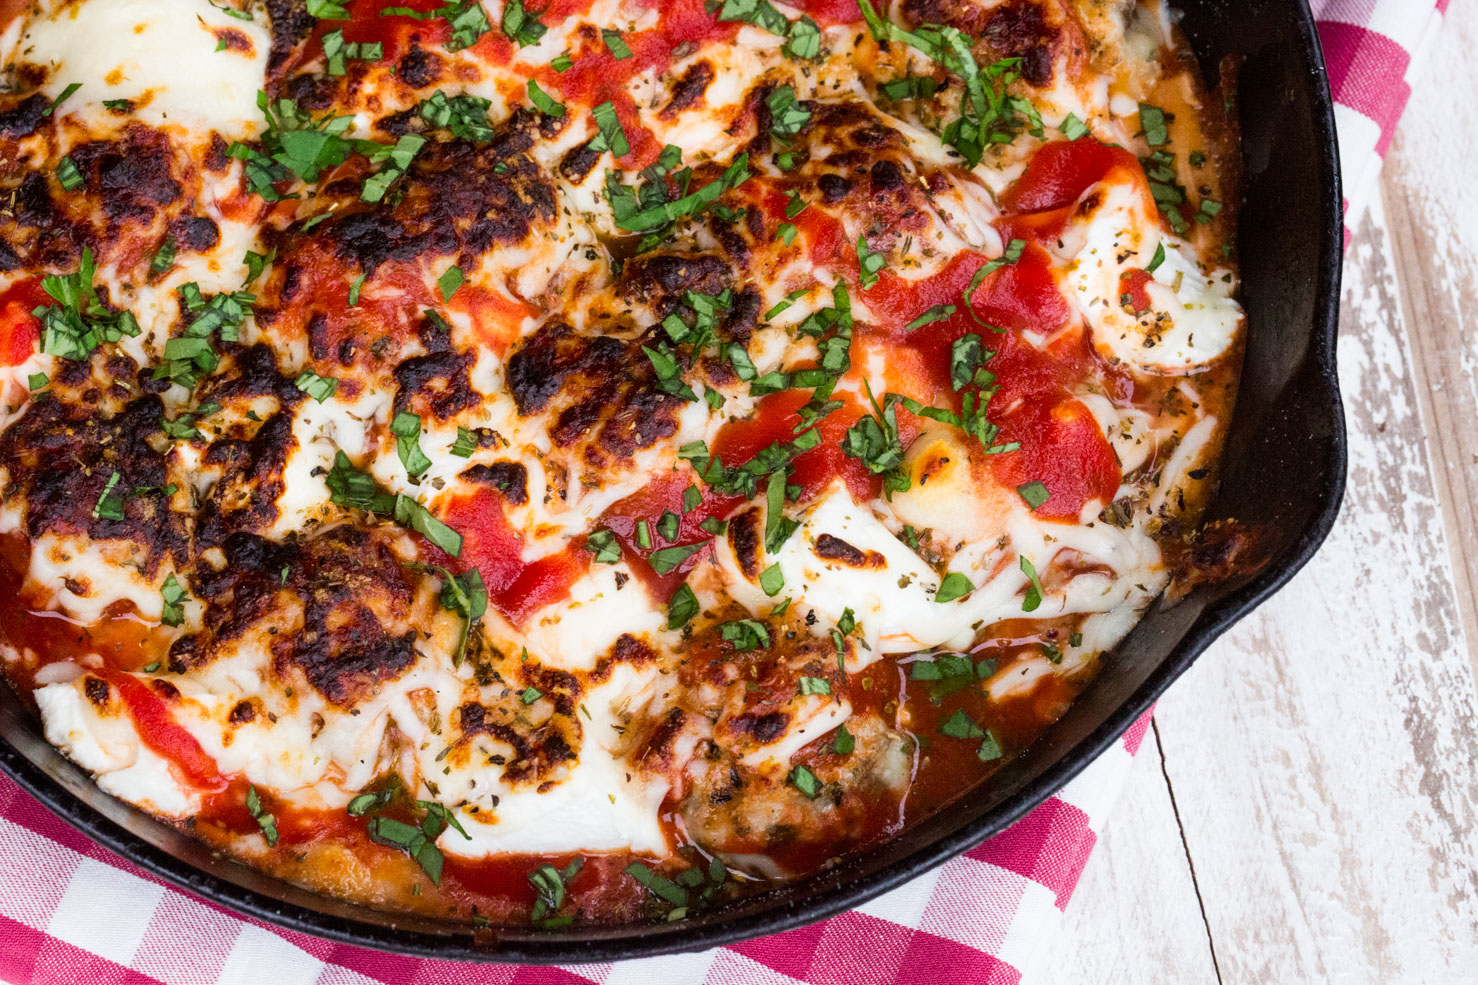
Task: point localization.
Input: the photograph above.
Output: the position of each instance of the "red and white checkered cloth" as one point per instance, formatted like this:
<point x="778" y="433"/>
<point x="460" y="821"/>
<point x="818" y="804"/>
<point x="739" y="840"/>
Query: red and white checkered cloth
<point x="73" y="912"/>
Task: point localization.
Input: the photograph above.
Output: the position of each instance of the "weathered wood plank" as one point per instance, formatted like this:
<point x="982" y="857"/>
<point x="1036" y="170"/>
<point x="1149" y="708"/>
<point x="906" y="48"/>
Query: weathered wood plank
<point x="1432" y="205"/>
<point x="1321" y="755"/>
<point x="1135" y="918"/>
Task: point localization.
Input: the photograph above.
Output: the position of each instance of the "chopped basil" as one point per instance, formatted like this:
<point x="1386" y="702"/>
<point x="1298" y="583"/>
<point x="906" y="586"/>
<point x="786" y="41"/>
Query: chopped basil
<point x="407" y="429"/>
<point x="320" y="388"/>
<point x="1073" y="128"/>
<point x="328" y="10"/>
<point x="874" y="441"/>
<point x="682" y="607"/>
<point x="1034" y="591"/>
<point x="643" y="535"/>
<point x="467" y="596"/>
<point x="745" y="635"/>
<point x="350" y="487"/>
<point x="938" y="312"/>
<point x="521" y="26"/>
<point x="954" y="586"/>
<point x="562" y="63"/>
<point x="35" y="381"/>
<point x="692" y="498"/>
<point x="805" y="781"/>
<point x="62" y="97"/>
<point x="67" y="174"/>
<point x="530" y="695"/>
<point x="1011" y="256"/>
<point x="772" y="580"/>
<point x="787" y="233"/>
<point x="611" y="136"/>
<point x="669" y="372"/>
<point x="337" y="52"/>
<point x="804" y="39"/>
<point x="988" y="114"/>
<point x="174" y="594"/>
<point x="795" y="205"/>
<point x="544" y="102"/>
<point x="465" y="115"/>
<point x="602" y="543"/>
<point x="668" y="525"/>
<point x="78" y="323"/>
<point x="659" y="886"/>
<point x="815" y="685"/>
<point x="110" y="504"/>
<point x="449" y="281"/>
<point x="869" y="263"/>
<point x="1159" y="258"/>
<point x="367" y="803"/>
<point x="550" y="883"/>
<point x="787" y="116"/>
<point x="618" y="48"/>
<point x="465" y="444"/>
<point x="971" y="419"/>
<point x="910" y="87"/>
<point x="633" y="219"/>
<point x="668" y="559"/>
<point x="467" y="18"/>
<point x="122" y="105"/>
<point x="1033" y="493"/>
<point x="265" y="820"/>
<point x="417" y="841"/>
<point x="1075" y="640"/>
<point x="255" y="263"/>
<point x="1165" y="187"/>
<point x="790" y="298"/>
<point x="1152" y="122"/>
<point x="961" y="726"/>
<point x="967" y="359"/>
<point x="990" y="747"/>
<point x="163" y="257"/>
<point x="843" y="743"/>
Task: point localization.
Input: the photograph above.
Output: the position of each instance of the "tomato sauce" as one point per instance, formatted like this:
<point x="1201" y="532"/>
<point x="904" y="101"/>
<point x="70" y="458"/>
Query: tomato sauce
<point x="491" y="545"/>
<point x="20" y="330"/>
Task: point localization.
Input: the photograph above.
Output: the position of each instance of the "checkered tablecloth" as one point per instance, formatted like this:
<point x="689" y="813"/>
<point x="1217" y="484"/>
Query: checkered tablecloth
<point x="72" y="912"/>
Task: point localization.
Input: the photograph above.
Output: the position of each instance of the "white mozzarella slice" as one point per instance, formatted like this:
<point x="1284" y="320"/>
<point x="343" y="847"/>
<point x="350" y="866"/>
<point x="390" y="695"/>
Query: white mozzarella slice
<point x="599" y="804"/>
<point x="109" y="746"/>
<point x="1192" y="318"/>
<point x="605" y="604"/>
<point x="85" y="576"/>
<point x="162" y="57"/>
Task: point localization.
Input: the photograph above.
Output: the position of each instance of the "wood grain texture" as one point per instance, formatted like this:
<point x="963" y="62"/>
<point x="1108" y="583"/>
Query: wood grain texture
<point x="1135" y="917"/>
<point x="1432" y="205"/>
<point x="1321" y="755"/>
<point x="1320" y="760"/>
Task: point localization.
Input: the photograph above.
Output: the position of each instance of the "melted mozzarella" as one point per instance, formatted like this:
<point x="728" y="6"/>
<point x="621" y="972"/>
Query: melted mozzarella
<point x="164" y="58"/>
<point x="109" y="746"/>
<point x="1192" y="318"/>
<point x="603" y="605"/>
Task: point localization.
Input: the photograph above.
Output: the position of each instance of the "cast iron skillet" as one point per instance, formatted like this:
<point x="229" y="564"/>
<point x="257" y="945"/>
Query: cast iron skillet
<point x="1283" y="468"/>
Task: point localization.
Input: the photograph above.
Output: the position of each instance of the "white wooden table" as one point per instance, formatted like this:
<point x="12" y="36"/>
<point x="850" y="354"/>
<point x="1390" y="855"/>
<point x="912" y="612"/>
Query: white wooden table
<point x="1306" y="808"/>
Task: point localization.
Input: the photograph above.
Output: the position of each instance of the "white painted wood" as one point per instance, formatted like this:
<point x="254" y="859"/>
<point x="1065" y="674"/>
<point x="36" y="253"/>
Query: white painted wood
<point x="1321" y="755"/>
<point x="1432" y="203"/>
<point x="1135" y="917"/>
